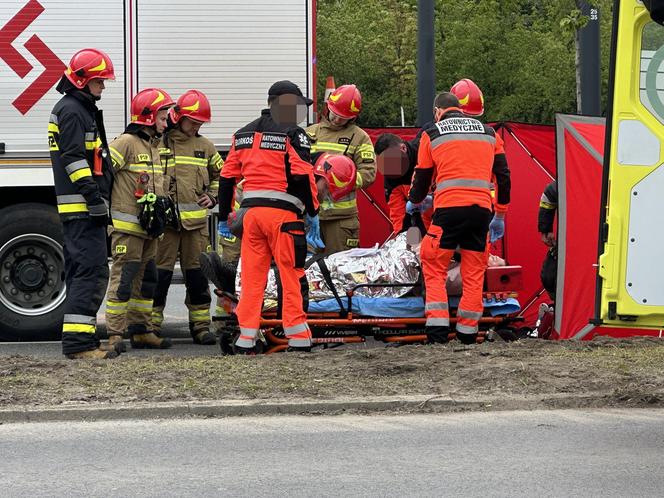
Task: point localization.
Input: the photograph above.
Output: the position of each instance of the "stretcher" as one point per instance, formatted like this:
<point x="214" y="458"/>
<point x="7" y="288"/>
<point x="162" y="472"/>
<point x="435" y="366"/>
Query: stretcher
<point x="353" y="319"/>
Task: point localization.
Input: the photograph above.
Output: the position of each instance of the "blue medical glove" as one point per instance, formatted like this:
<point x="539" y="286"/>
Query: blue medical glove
<point x="427" y="203"/>
<point x="496" y="227"/>
<point x="412" y="207"/>
<point x="223" y="230"/>
<point x="313" y="233"/>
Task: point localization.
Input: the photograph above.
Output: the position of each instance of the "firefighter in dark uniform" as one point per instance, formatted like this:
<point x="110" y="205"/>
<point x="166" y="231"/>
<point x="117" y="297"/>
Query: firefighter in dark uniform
<point x="272" y="156"/>
<point x="82" y="186"/>
<point x="545" y="221"/>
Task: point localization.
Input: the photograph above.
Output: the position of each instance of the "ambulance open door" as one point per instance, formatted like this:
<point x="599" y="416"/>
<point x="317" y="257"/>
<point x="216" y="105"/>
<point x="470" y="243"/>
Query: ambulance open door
<point x="630" y="284"/>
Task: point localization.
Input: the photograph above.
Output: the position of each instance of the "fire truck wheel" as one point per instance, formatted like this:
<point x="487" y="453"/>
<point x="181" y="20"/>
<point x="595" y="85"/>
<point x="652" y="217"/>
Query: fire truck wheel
<point x="32" y="273"/>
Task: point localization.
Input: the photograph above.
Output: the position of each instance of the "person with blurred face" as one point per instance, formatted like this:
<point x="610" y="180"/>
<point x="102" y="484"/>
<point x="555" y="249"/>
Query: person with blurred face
<point x="191" y="166"/>
<point x="271" y="156"/>
<point x="396" y="160"/>
<point x="139" y="183"/>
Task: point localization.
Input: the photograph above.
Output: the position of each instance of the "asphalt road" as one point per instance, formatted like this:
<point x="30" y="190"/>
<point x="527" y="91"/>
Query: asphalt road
<point x="545" y="453"/>
<point x="175" y="326"/>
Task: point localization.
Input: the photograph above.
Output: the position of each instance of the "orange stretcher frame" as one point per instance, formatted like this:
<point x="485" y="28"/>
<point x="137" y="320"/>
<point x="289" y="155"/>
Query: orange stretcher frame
<point x="346" y="327"/>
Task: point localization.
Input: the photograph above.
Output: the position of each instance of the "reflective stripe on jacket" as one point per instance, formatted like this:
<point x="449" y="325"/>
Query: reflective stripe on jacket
<point x="73" y="138"/>
<point x="138" y="171"/>
<point x="354" y="142"/>
<point x="461" y="156"/>
<point x="273" y="161"/>
<point x="191" y="166"/>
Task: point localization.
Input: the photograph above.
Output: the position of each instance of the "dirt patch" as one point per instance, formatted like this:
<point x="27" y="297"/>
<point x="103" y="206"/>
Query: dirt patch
<point x="620" y="372"/>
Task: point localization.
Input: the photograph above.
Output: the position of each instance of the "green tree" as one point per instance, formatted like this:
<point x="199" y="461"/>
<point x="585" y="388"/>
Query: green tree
<point x="520" y="52"/>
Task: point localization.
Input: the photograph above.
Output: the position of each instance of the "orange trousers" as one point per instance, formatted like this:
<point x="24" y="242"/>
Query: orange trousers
<point x="435" y="262"/>
<point x="272" y="233"/>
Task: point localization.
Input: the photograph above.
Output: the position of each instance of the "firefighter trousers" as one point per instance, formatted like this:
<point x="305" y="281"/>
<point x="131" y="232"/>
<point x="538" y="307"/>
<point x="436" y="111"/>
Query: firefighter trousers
<point x="272" y="233"/>
<point x="340" y="234"/>
<point x="133" y="283"/>
<point x="86" y="276"/>
<point x="189" y="244"/>
<point x="465" y="228"/>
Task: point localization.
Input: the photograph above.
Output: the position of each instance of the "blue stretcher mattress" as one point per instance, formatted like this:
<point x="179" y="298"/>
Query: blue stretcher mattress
<point x="405" y="307"/>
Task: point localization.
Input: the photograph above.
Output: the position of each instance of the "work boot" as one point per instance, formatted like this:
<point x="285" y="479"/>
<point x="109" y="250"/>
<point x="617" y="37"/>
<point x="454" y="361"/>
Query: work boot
<point x="205" y="338"/>
<point x="149" y="341"/>
<point x="115" y="343"/>
<point x="437" y="335"/>
<point x="467" y="338"/>
<point x="93" y="354"/>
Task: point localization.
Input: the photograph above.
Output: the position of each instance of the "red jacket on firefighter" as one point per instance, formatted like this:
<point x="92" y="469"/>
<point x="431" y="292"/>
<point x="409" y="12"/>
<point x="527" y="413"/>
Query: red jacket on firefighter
<point x="273" y="159"/>
<point x="460" y="156"/>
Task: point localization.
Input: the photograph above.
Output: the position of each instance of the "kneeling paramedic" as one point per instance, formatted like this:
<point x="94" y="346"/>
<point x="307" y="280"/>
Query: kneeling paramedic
<point x="82" y="177"/>
<point x="139" y="211"/>
<point x="191" y="166"/>
<point x="272" y="155"/>
<point x="459" y="154"/>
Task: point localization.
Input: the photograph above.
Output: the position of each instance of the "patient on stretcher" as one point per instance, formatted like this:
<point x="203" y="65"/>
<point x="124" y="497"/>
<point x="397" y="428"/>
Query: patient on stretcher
<point x="396" y="262"/>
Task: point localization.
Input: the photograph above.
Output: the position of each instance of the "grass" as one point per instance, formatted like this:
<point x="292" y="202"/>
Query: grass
<point x="524" y="368"/>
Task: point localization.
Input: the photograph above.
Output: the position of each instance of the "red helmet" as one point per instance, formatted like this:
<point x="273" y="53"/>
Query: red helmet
<point x="192" y="104"/>
<point x="470" y="97"/>
<point x="88" y="64"/>
<point x="345" y="101"/>
<point x="147" y="103"/>
<point x="340" y="173"/>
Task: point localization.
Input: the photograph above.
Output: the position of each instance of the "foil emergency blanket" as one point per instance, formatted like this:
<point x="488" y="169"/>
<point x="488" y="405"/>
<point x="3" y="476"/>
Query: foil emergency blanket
<point x="394" y="262"/>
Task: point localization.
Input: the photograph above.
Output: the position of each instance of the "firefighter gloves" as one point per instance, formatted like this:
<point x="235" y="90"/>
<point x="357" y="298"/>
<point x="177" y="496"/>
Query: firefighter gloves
<point x="313" y="232"/>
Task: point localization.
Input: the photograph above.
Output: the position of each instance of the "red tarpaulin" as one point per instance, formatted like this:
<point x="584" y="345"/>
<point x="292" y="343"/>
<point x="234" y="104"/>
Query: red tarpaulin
<point x="530" y="151"/>
<point x="531" y="154"/>
<point x="580" y="143"/>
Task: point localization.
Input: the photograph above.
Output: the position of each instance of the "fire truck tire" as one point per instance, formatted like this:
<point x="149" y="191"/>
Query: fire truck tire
<point x="32" y="273"/>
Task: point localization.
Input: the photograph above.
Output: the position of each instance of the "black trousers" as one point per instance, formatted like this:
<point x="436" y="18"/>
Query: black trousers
<point x="465" y="227"/>
<point x="86" y="276"/>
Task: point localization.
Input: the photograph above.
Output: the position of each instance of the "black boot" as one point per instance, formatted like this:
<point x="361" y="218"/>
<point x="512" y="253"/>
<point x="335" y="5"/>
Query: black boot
<point x="467" y="338"/>
<point x="437" y="335"/>
<point x="244" y="351"/>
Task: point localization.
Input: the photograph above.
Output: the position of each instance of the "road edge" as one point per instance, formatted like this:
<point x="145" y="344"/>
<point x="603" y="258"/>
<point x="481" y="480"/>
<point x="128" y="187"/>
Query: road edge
<point x="338" y="406"/>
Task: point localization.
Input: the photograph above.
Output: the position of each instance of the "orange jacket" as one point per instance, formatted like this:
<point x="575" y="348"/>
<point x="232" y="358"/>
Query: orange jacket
<point x="274" y="161"/>
<point x="462" y="156"/>
<point x="398" y="197"/>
